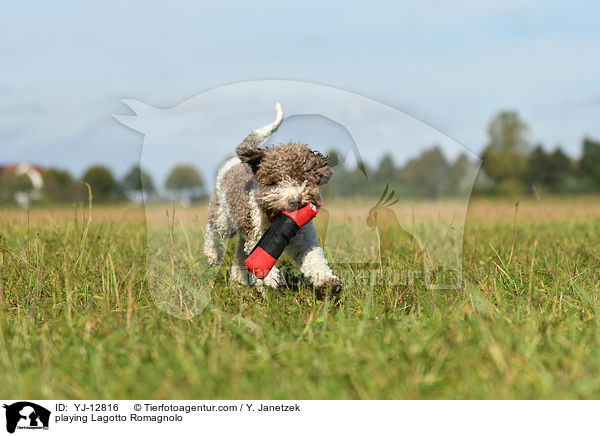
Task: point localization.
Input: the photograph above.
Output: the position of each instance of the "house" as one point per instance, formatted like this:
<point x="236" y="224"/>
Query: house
<point x="35" y="174"/>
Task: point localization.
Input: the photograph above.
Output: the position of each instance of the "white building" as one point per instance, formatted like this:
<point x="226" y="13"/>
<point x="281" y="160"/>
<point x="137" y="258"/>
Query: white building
<point x="34" y="173"/>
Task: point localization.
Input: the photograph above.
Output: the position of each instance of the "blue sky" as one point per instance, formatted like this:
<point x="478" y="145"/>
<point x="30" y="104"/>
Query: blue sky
<point x="65" y="66"/>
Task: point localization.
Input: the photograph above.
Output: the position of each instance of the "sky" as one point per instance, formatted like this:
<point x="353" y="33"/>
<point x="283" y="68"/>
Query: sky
<point x="65" y="67"/>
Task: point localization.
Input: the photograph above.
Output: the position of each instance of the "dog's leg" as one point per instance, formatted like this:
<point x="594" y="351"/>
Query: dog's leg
<point x="217" y="228"/>
<point x="239" y="272"/>
<point x="305" y="250"/>
<point x="213" y="248"/>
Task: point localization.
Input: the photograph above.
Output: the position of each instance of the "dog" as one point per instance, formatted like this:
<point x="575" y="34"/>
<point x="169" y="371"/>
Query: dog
<point x="251" y="189"/>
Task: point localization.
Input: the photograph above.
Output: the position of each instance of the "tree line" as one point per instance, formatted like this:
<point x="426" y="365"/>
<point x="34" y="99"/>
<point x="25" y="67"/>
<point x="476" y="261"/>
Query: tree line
<point x="60" y="187"/>
<point x="510" y="165"/>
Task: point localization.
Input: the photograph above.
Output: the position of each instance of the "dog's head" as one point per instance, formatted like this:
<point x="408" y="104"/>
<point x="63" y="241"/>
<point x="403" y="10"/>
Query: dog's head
<point x="288" y="175"/>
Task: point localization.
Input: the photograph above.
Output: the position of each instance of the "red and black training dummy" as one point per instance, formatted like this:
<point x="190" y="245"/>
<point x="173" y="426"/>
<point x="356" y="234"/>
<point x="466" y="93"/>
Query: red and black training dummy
<point x="276" y="238"/>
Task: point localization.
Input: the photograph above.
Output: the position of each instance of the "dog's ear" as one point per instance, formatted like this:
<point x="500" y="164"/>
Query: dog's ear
<point x="321" y="167"/>
<point x="324" y="174"/>
<point x="251" y="155"/>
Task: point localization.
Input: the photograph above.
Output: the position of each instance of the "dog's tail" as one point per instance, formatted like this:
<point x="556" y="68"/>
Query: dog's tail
<point x="264" y="132"/>
<point x="257" y="136"/>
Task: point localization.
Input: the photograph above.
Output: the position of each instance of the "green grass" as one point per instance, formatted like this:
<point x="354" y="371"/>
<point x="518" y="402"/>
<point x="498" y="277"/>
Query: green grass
<point x="77" y="320"/>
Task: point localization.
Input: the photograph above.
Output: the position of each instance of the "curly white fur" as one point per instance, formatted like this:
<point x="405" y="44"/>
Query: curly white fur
<point x="284" y="192"/>
<point x="304" y="248"/>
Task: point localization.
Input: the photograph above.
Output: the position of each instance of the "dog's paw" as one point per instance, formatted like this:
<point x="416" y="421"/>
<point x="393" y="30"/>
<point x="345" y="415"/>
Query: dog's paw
<point x="239" y="275"/>
<point x="272" y="280"/>
<point x="332" y="287"/>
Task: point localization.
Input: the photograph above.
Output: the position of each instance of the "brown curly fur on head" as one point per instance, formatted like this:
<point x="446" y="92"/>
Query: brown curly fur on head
<point x="288" y="174"/>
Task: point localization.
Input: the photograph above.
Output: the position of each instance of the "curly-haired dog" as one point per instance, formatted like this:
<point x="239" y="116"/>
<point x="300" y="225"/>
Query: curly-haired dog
<point x="252" y="188"/>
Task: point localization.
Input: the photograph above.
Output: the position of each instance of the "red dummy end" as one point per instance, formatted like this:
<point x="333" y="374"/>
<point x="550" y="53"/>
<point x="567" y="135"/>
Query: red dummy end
<point x="260" y="262"/>
<point x="304" y="214"/>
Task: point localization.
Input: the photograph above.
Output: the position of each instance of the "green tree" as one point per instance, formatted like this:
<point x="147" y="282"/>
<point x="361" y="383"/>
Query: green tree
<point x="460" y="175"/>
<point x="549" y="170"/>
<point x="184" y="178"/>
<point x="58" y="185"/>
<point x="426" y="175"/>
<point x="346" y="181"/>
<point x="560" y="167"/>
<point x="589" y="165"/>
<point x="136" y="179"/>
<point x="386" y="171"/>
<point x="103" y="184"/>
<point x="537" y="164"/>
<point x="505" y="156"/>
<point x="20" y="183"/>
<point x="351" y="182"/>
<point x="11" y="184"/>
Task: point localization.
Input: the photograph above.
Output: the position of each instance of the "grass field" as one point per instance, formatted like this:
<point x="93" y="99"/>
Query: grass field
<point x="77" y="317"/>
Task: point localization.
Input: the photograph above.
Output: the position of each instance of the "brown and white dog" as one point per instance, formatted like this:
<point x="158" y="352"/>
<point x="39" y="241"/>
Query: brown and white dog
<point x="256" y="185"/>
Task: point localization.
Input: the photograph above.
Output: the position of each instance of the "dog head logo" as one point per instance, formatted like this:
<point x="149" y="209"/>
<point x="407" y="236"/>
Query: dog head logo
<point x="26" y="415"/>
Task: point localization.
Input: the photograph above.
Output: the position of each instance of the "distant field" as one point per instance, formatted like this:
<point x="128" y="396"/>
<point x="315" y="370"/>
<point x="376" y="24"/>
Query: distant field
<point x="78" y="320"/>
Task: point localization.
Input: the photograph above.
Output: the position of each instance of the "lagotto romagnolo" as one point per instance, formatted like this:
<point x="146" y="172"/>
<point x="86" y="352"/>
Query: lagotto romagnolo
<point x="256" y="185"/>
